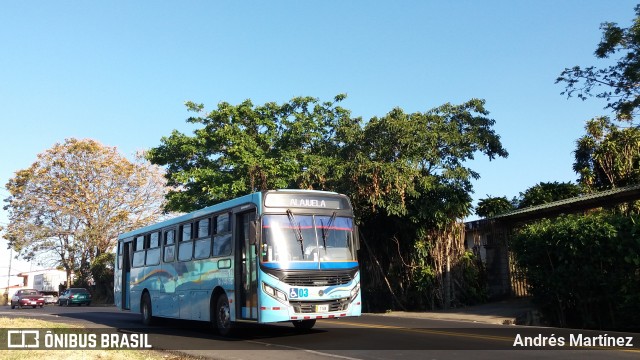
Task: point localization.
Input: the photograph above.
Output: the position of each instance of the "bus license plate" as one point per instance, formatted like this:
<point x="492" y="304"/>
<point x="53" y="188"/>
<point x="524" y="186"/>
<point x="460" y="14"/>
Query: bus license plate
<point x="322" y="308"/>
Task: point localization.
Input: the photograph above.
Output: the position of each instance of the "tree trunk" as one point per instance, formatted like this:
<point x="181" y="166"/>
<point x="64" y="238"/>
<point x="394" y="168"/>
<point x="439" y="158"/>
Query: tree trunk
<point x="447" y="281"/>
<point x="68" y="271"/>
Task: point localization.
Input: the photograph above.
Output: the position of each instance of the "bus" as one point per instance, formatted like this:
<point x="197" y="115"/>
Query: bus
<point x="267" y="257"/>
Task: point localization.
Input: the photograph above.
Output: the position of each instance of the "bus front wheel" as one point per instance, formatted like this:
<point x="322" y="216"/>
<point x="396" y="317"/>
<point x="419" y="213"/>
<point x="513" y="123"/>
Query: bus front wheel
<point x="304" y="324"/>
<point x="145" y="310"/>
<point x="223" y="316"/>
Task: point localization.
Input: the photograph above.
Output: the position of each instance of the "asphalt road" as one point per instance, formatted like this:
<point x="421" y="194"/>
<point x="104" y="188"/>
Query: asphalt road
<point x="366" y="337"/>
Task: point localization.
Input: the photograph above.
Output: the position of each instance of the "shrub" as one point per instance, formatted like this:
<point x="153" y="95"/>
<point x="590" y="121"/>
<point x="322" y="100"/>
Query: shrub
<point x="583" y="270"/>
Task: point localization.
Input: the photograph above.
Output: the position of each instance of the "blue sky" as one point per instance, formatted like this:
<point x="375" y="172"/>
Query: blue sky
<point x="119" y="72"/>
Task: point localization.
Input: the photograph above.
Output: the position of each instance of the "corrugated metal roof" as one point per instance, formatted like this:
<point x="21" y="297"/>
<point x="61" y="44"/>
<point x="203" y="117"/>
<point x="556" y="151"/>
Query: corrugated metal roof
<point x="575" y="204"/>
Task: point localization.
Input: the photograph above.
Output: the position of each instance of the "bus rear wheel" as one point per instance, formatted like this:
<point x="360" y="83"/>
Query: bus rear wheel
<point x="304" y="324"/>
<point x="145" y="310"/>
<point x="223" y="316"/>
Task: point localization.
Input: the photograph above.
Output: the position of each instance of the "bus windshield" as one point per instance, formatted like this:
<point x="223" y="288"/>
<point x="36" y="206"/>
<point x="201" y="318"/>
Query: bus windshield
<point x="310" y="238"/>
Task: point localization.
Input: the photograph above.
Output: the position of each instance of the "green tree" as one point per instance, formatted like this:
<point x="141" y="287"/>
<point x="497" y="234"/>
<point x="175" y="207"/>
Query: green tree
<point x="618" y="83"/>
<point x="414" y="164"/>
<point x="546" y="192"/>
<point x="405" y="172"/>
<point x="492" y="206"/>
<point x="71" y="204"/>
<point x="102" y="272"/>
<point x="608" y="156"/>
<point x="245" y="148"/>
<point x="407" y="177"/>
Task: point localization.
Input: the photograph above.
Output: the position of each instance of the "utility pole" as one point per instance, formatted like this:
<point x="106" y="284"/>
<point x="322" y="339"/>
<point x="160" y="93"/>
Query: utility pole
<point x="8" y="277"/>
<point x="9" y="274"/>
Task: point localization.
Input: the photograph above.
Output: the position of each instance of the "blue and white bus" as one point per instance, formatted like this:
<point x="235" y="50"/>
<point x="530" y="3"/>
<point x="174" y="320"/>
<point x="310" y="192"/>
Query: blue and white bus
<point x="271" y="256"/>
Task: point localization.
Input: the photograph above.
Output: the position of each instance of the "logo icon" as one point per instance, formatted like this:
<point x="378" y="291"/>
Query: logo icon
<point x="23" y="339"/>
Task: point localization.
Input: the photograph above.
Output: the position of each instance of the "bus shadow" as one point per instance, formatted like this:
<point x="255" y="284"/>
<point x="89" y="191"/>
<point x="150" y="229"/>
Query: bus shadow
<point x="241" y="331"/>
<point x="127" y="322"/>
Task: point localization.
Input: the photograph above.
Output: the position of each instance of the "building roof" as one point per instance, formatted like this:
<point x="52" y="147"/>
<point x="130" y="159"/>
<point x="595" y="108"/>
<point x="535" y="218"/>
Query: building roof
<point x="607" y="198"/>
<point x="37" y="272"/>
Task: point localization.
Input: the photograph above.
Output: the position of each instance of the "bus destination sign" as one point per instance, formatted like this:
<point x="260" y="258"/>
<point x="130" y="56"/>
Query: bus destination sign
<point x="305" y="201"/>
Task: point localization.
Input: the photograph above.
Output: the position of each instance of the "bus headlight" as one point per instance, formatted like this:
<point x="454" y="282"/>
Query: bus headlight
<point x="274" y="293"/>
<point x="355" y="291"/>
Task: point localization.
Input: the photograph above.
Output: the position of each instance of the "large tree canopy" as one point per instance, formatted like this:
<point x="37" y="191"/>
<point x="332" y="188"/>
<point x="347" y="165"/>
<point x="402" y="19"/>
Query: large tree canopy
<point x="244" y="148"/>
<point x="406" y="173"/>
<point x="414" y="165"/>
<point x="618" y="83"/>
<point x="305" y="143"/>
<point x="72" y="203"/>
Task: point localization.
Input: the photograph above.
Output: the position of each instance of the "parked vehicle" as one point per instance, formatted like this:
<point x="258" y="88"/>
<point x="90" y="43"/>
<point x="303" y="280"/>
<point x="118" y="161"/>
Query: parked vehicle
<point x="27" y="297"/>
<point x="77" y="296"/>
<point x="49" y="282"/>
<point x="50" y="299"/>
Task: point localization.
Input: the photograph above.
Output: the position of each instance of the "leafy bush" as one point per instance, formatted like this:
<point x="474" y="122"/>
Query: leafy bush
<point x="102" y="269"/>
<point x="472" y="288"/>
<point x="583" y="270"/>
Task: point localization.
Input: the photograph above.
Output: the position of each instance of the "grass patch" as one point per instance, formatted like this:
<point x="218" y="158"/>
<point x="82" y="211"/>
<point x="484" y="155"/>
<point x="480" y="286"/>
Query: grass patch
<point x="116" y="354"/>
<point x="23" y="323"/>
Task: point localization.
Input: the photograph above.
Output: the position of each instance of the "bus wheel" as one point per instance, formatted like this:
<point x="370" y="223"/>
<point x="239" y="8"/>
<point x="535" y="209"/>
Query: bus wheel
<point x="145" y="310"/>
<point x="304" y="324"/>
<point x="223" y="316"/>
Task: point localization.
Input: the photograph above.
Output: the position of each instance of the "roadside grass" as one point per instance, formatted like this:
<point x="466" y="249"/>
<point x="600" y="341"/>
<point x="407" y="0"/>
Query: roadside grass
<point x="116" y="354"/>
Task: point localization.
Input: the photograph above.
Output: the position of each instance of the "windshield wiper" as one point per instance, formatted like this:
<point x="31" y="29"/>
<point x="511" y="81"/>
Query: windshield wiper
<point x="297" y="231"/>
<point x="325" y="232"/>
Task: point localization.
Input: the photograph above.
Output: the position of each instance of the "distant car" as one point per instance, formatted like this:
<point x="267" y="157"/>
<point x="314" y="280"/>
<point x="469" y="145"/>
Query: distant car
<point x="77" y="296"/>
<point x="50" y="299"/>
<point x="27" y="297"/>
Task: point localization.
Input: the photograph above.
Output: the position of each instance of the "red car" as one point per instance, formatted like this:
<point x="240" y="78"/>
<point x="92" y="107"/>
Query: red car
<point x="27" y="297"/>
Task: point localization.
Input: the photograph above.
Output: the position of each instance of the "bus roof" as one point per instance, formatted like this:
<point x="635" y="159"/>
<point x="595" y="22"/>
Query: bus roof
<point x="254" y="198"/>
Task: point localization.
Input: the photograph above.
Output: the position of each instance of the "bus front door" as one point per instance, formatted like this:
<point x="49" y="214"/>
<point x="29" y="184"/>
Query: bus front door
<point x="246" y="273"/>
<point x="126" y="275"/>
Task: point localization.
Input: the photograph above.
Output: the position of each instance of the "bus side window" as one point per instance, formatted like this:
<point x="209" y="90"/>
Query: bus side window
<point x="222" y="238"/>
<point x="138" y="251"/>
<point x="139" y="243"/>
<point x="169" y="246"/>
<point x="153" y="253"/>
<point x="202" y="226"/>
<point x="222" y="223"/>
<point x="185" y="248"/>
<point x="185" y="232"/>
<point x="203" y="239"/>
<point x="120" y="252"/>
<point x="154" y="240"/>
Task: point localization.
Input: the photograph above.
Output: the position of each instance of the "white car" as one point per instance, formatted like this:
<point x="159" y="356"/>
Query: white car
<point x="50" y="299"/>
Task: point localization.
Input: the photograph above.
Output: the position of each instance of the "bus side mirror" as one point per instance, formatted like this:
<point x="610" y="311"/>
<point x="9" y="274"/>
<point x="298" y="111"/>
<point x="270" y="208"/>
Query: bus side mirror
<point x="253" y="232"/>
<point x="356" y="237"/>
